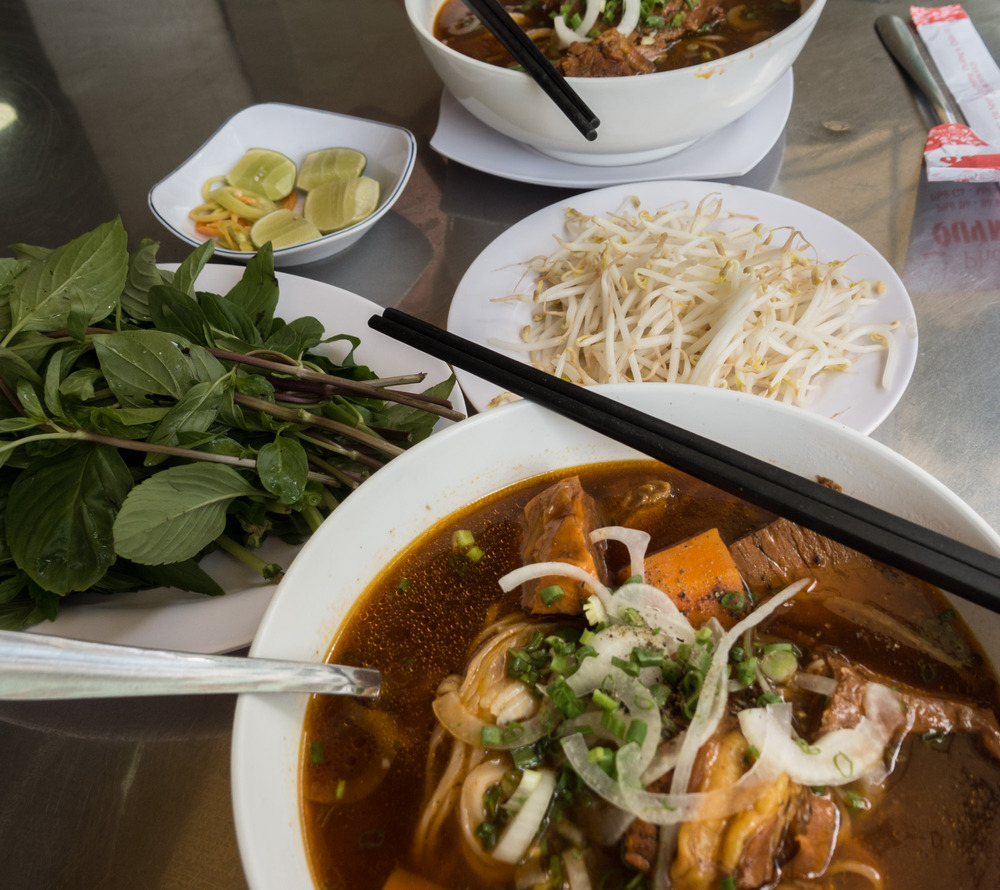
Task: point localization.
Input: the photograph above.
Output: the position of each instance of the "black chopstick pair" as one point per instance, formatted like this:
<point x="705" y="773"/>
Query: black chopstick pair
<point x="936" y="558"/>
<point x="513" y="39"/>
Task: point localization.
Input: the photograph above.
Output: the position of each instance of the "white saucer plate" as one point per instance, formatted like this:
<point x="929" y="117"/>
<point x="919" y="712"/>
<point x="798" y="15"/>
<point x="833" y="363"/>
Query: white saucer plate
<point x="731" y="152"/>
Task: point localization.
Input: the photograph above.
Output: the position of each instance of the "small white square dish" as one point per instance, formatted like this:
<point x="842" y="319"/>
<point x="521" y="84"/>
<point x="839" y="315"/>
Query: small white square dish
<point x="294" y="131"/>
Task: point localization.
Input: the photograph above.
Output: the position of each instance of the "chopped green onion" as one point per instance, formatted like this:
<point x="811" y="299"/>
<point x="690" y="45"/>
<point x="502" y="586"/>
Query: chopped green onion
<point x="404" y="584"/>
<point x="316" y="752"/>
<point x="628" y="667"/>
<point x="614" y="723"/>
<point x="526" y="757"/>
<point x="369" y="840"/>
<point x="647" y="657"/>
<point x="844" y="764"/>
<point x="603" y="757"/>
<point x="462" y="539"/>
<point x="486" y="833"/>
<point x="551" y="593"/>
<point x="636" y="732"/>
<point x="474" y="553"/>
<point x="604" y="701"/>
<point x="490" y="736"/>
<point x="733" y="600"/>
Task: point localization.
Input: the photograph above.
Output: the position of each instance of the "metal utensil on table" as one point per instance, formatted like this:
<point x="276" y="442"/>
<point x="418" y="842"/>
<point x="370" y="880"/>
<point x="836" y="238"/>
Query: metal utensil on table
<point x="901" y="42"/>
<point x="35" y="667"/>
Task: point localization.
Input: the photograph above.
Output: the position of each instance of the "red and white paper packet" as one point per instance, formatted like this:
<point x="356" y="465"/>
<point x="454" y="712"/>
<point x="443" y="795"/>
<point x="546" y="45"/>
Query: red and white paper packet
<point x="954" y="152"/>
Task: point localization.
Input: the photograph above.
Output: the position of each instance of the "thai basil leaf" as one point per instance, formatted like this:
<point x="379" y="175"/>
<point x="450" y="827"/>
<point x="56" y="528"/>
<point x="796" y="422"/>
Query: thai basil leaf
<point x="419" y="424"/>
<point x="13" y="367"/>
<point x="174" y="311"/>
<point x="296" y="337"/>
<point x="173" y="515"/>
<point x="186" y="575"/>
<point x="256" y="293"/>
<point x="143" y="274"/>
<point x="189" y="270"/>
<point x="283" y="467"/>
<point x="227" y="317"/>
<point x="65" y="508"/>
<point x="90" y="269"/>
<point x="80" y="384"/>
<point x="28" y="397"/>
<point x="10" y="268"/>
<point x="30" y="251"/>
<point x="195" y="411"/>
<point x="141" y="364"/>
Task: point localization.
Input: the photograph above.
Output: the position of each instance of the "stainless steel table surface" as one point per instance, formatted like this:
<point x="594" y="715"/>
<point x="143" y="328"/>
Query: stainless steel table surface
<point x="110" y="95"/>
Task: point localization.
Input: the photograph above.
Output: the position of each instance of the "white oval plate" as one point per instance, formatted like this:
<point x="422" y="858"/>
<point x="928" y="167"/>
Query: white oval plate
<point x="471" y="460"/>
<point x="174" y="619"/>
<point x="854" y="397"/>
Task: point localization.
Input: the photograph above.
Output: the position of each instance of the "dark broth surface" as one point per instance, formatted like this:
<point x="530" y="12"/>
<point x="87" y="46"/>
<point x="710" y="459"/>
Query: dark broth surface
<point x="664" y="37"/>
<point x="936" y="826"/>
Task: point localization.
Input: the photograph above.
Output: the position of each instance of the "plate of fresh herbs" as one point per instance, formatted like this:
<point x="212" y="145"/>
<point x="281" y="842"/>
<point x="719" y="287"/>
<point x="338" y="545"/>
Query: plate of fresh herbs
<point x="170" y="435"/>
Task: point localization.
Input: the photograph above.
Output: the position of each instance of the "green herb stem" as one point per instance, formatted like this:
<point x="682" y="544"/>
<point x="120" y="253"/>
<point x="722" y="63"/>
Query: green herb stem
<point x="306" y="418"/>
<point x="372" y="389"/>
<point x="269" y="571"/>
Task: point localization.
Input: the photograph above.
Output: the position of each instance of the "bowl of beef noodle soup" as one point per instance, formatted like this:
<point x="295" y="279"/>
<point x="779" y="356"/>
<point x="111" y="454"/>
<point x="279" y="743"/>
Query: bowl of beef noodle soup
<point x="602" y="673"/>
<point x="658" y="75"/>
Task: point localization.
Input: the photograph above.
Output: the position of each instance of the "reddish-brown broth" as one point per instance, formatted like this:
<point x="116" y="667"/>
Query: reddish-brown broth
<point x="420" y="634"/>
<point x="756" y="20"/>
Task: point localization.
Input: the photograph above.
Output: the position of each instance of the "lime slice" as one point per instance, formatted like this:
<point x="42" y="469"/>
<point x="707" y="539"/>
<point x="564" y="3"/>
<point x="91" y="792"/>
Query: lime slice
<point x="241" y="202"/>
<point x="266" y="172"/>
<point x="283" y="229"/>
<point x="341" y="203"/>
<point x="329" y="164"/>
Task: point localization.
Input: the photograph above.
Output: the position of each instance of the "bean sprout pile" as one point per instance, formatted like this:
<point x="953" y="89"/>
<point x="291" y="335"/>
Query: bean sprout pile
<point x="678" y="296"/>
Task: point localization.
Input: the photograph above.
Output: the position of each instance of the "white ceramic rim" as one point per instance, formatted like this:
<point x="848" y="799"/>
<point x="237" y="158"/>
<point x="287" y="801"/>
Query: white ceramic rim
<point x="602" y="84"/>
<point x="302" y="620"/>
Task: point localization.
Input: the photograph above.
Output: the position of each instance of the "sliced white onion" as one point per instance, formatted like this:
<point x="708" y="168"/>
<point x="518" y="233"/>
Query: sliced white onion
<point x="630" y="17"/>
<point x="715" y="688"/>
<point x="575" y="870"/>
<point x="665" y="809"/>
<point x="656" y="609"/>
<point x="815" y="683"/>
<point x="467" y="727"/>
<point x="568" y="35"/>
<point x="634" y="539"/>
<point x="544" y="569"/>
<point x="838" y="757"/>
<point x="539" y="786"/>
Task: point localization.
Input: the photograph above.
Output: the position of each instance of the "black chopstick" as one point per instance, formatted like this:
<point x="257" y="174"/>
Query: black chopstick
<point x="908" y="546"/>
<point x="514" y="39"/>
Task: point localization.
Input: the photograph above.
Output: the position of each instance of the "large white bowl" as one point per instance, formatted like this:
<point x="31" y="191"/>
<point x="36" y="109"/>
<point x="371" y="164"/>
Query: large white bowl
<point x="294" y="131"/>
<point x="643" y="118"/>
<point x="473" y="459"/>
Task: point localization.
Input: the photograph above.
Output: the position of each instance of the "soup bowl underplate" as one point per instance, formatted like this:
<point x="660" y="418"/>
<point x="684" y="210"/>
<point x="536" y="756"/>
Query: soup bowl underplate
<point x="643" y="118"/>
<point x="478" y="457"/>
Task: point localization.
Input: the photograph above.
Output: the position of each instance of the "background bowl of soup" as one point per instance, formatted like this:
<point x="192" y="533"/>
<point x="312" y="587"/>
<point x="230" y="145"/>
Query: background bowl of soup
<point x="643" y="117"/>
<point x="460" y="466"/>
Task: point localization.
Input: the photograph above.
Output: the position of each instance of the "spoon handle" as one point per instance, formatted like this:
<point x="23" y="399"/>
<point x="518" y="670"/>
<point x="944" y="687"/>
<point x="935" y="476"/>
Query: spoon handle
<point x="35" y="666"/>
<point x="902" y="45"/>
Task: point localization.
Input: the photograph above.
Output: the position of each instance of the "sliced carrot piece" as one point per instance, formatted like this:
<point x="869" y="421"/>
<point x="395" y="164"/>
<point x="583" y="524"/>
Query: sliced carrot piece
<point x="702" y="579"/>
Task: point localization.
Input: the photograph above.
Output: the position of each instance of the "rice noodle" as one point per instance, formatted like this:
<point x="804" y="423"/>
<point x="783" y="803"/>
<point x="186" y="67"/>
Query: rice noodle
<point x="675" y="295"/>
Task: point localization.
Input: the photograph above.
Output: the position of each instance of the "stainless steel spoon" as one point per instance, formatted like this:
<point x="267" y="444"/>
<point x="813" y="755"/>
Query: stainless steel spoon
<point x="899" y="39"/>
<point x="34" y="666"/>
